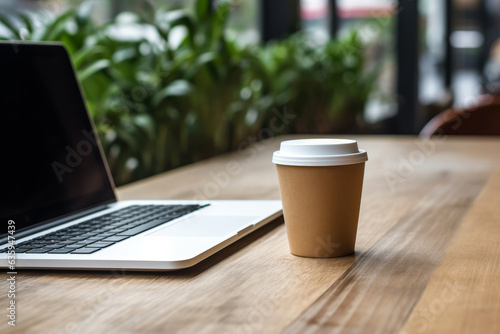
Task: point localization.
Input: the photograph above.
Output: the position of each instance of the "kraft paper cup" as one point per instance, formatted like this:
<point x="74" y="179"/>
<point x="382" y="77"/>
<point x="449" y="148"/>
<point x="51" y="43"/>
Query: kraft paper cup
<point x="320" y="185"/>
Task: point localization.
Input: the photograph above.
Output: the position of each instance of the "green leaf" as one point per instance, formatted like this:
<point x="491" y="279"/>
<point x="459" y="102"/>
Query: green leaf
<point x="93" y="68"/>
<point x="145" y="123"/>
<point x="83" y="13"/>
<point x="174" y="19"/>
<point x="126" y="54"/>
<point x="222" y="13"/>
<point x="10" y="26"/>
<point x="82" y="55"/>
<point x="55" y="29"/>
<point x="176" y="88"/>
<point x="28" y="22"/>
<point x="203" y="9"/>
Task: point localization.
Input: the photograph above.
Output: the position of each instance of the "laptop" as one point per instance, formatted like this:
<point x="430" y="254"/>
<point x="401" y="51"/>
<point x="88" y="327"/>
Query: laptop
<point x="58" y="204"/>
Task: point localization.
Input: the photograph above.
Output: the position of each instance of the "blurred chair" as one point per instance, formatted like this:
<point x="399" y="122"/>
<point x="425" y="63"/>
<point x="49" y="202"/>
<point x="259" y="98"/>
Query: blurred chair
<point x="443" y="102"/>
<point x="481" y="119"/>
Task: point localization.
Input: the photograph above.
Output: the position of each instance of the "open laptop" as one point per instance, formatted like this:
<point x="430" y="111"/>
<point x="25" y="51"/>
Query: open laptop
<point x="57" y="196"/>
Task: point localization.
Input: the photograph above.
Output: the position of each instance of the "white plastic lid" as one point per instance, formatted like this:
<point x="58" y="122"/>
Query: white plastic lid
<point x="319" y="152"/>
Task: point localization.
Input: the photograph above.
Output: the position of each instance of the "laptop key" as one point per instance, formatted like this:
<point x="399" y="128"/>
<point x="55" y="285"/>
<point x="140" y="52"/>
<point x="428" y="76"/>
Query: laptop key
<point x="99" y="244"/>
<point x="115" y="238"/>
<point x="106" y="234"/>
<point x="118" y="230"/>
<point x="93" y="239"/>
<point x="38" y="251"/>
<point x="19" y="250"/>
<point x="77" y="245"/>
<point x="58" y="245"/>
<point x="35" y="245"/>
<point x="126" y="221"/>
<point x="85" y="250"/>
<point x="88" y="234"/>
<point x="101" y="230"/>
<point x="142" y="228"/>
<point x="77" y="238"/>
<point x="51" y="246"/>
<point x="61" y="250"/>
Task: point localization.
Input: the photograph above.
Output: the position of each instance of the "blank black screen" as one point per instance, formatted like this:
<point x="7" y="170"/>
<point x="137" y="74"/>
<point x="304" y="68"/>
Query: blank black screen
<point x="51" y="165"/>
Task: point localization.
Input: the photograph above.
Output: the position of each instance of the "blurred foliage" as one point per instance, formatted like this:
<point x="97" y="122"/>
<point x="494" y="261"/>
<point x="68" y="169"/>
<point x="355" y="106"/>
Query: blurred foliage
<point x="166" y="88"/>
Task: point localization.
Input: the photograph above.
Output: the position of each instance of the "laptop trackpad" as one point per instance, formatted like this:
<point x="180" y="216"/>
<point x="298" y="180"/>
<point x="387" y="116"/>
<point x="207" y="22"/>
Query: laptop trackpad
<point x="205" y="226"/>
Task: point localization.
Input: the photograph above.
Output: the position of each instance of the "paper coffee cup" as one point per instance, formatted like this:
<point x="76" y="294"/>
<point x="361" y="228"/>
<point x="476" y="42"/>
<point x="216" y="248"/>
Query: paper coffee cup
<point x="320" y="185"/>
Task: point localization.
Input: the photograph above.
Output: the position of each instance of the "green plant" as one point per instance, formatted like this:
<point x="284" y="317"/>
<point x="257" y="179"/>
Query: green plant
<point x="325" y="85"/>
<point x="166" y="88"/>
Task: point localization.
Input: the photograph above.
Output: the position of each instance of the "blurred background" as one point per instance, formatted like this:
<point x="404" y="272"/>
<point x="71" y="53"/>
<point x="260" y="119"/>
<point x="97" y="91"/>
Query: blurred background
<point x="169" y="82"/>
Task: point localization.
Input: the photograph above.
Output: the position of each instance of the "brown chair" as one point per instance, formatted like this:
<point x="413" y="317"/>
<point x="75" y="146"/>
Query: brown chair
<point x="482" y="119"/>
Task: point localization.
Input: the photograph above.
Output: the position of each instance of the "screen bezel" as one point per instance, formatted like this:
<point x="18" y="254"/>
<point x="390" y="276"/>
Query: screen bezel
<point x="48" y="49"/>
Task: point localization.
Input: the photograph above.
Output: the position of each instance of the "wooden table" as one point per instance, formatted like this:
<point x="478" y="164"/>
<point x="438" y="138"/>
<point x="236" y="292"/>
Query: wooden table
<point x="427" y="256"/>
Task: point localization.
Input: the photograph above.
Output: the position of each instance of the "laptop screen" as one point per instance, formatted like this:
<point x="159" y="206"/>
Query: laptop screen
<point x="51" y="162"/>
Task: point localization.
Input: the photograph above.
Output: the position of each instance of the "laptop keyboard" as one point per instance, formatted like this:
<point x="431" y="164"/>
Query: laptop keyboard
<point x="94" y="234"/>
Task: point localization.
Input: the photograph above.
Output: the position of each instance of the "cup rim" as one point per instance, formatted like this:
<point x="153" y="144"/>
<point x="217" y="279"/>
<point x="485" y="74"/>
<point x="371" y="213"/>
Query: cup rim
<point x="319" y="152"/>
<point x="324" y="160"/>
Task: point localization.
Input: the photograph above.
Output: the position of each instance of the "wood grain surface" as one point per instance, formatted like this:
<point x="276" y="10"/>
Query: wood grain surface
<point x="427" y="256"/>
<point x="463" y="295"/>
<point x="392" y="274"/>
